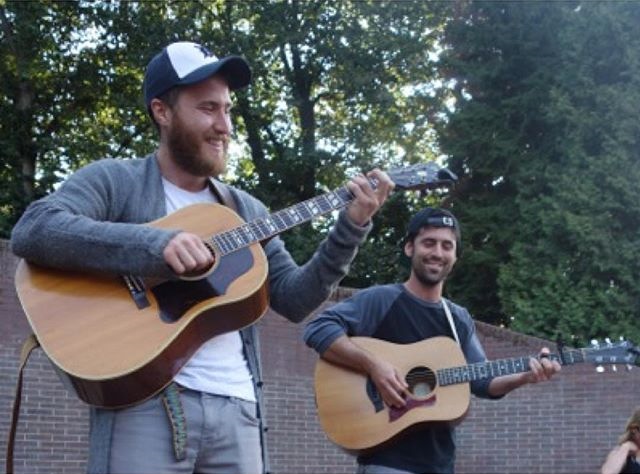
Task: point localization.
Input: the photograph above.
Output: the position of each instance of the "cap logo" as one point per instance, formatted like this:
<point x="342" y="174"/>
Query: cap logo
<point x="205" y="52"/>
<point x="447" y="221"/>
<point x="186" y="57"/>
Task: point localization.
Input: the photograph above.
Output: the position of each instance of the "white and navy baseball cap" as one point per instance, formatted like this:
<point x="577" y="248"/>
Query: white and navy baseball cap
<point x="434" y="217"/>
<point x="184" y="63"/>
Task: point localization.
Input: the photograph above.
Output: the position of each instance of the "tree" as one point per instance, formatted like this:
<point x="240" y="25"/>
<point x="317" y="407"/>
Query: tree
<point x="44" y="85"/>
<point x="543" y="116"/>
<point x="339" y="87"/>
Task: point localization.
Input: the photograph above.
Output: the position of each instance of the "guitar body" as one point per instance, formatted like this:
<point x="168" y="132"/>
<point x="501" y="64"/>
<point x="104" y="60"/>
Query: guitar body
<point x="351" y="416"/>
<point x="115" y="353"/>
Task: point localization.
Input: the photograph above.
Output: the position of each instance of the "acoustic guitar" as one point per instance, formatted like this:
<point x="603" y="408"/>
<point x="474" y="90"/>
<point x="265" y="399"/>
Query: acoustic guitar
<point x="353" y="415"/>
<point x="118" y="340"/>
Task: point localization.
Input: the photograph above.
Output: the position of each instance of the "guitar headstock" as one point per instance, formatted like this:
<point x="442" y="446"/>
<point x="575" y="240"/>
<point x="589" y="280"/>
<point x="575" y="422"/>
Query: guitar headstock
<point x="607" y="352"/>
<point x="422" y="176"/>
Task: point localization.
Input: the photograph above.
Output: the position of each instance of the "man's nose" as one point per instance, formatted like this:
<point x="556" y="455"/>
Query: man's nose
<point x="438" y="250"/>
<point x="222" y="123"/>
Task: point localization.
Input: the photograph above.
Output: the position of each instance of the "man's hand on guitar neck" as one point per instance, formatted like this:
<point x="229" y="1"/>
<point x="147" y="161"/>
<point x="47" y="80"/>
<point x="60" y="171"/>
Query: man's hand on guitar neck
<point x="367" y="200"/>
<point x="187" y="254"/>
<point x="541" y="368"/>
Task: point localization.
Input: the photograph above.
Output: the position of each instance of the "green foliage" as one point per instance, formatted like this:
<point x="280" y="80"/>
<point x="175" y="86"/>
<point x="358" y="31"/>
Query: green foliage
<point x="547" y="147"/>
<point x="69" y="96"/>
<point x="339" y="87"/>
<point x="534" y="103"/>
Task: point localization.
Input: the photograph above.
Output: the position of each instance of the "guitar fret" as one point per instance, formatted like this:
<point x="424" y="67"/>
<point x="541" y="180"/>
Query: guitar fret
<point x="228" y="242"/>
<point x="312" y="207"/>
<point x="454" y="375"/>
<point x="482" y="371"/>
<point x="303" y="211"/>
<point x="219" y="244"/>
<point x="523" y="364"/>
<point x="344" y="195"/>
<point x="295" y="215"/>
<point x="231" y="241"/>
<point x="447" y="376"/>
<point x="441" y="376"/>
<point x="334" y="200"/>
<point x="247" y="234"/>
<point x="238" y="237"/>
<point x="285" y="218"/>
<point x="237" y="240"/>
<point x="270" y="225"/>
<point x="465" y="374"/>
<point x="324" y="204"/>
<point x="279" y="221"/>
<point x="257" y="230"/>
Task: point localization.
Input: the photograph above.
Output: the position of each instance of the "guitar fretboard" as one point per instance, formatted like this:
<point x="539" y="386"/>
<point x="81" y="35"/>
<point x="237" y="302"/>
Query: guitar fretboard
<point x="264" y="228"/>
<point x="495" y="368"/>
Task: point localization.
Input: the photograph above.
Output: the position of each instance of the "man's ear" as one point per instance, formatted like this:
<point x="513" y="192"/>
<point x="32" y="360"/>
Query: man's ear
<point x="408" y="248"/>
<point x="160" y="112"/>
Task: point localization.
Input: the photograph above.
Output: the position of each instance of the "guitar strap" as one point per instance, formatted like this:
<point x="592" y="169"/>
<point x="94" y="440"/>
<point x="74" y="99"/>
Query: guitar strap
<point x="28" y="345"/>
<point x="222" y="193"/>
<point x="447" y="311"/>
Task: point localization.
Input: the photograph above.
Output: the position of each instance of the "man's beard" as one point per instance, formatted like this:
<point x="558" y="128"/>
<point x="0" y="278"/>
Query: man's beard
<point x="184" y="147"/>
<point x="425" y="277"/>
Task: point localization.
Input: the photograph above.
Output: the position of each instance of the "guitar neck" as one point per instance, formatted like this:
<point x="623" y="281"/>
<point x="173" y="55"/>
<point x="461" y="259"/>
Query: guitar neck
<point x="416" y="177"/>
<point x="277" y="222"/>
<point x="495" y="368"/>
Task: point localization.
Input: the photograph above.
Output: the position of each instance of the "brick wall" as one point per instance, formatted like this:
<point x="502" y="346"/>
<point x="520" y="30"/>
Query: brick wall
<point x="565" y="426"/>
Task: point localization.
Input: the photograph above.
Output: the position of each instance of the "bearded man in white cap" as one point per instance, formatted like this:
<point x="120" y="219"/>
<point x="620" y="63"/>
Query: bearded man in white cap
<point x="209" y="419"/>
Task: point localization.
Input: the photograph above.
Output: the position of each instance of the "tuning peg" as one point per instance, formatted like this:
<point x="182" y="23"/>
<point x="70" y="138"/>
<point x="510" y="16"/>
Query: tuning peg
<point x="614" y="368"/>
<point x="629" y="367"/>
<point x="594" y="342"/>
<point x="599" y="369"/>
<point x="607" y="340"/>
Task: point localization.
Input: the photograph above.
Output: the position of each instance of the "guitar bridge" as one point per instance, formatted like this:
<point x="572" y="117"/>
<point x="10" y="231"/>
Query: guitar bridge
<point x="137" y="290"/>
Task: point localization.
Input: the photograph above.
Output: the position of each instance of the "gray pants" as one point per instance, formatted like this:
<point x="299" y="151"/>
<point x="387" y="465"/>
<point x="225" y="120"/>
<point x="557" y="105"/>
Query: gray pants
<point x="222" y="437"/>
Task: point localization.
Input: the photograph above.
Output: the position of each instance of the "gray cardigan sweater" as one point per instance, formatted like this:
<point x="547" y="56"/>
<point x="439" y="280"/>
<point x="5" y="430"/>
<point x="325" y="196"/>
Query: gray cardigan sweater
<point x="86" y="224"/>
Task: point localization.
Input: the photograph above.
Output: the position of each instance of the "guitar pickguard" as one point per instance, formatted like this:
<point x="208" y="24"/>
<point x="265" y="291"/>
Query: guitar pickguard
<point x="175" y="298"/>
<point x="395" y="413"/>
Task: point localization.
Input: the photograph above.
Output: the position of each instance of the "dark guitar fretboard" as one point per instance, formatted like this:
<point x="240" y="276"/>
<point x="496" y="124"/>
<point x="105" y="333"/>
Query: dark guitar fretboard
<point x="417" y="177"/>
<point x="495" y="368"/>
<point x="264" y="228"/>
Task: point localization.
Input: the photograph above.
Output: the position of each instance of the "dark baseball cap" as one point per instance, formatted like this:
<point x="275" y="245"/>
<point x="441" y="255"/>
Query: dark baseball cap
<point x="434" y="217"/>
<point x="183" y="63"/>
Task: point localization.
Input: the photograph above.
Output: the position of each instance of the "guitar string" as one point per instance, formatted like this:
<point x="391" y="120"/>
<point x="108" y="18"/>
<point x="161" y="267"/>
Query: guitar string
<point x="233" y="239"/>
<point x="418" y="374"/>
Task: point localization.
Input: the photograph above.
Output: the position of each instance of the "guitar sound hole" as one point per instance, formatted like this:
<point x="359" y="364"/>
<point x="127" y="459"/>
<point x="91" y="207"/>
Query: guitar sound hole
<point x="421" y="381"/>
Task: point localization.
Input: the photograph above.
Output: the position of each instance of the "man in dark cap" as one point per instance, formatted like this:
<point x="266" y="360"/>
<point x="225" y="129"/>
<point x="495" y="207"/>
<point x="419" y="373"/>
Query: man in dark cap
<point x="405" y="313"/>
<point x="209" y="418"/>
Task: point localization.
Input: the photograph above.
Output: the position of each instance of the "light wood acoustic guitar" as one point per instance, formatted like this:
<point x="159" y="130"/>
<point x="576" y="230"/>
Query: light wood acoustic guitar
<point x="118" y="340"/>
<point x="353" y="415"/>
